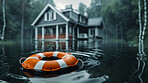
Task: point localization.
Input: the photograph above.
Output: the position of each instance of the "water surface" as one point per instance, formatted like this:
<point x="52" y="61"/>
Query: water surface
<point x="103" y="63"/>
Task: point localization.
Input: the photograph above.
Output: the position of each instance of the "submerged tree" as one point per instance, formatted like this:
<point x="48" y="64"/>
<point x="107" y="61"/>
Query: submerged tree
<point x="142" y="28"/>
<point x="22" y="26"/>
<point x="2" y="35"/>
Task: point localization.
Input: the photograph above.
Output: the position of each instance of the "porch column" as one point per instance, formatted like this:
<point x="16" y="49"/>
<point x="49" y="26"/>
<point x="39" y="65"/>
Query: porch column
<point x="51" y="31"/>
<point x="57" y="32"/>
<point x="43" y="33"/>
<point x="77" y="32"/>
<point x="43" y="45"/>
<point x="57" y="45"/>
<point x="66" y="45"/>
<point x="36" y="46"/>
<point x="66" y="31"/>
<point x="73" y="33"/>
<point x="96" y="31"/>
<point x="36" y="33"/>
<point x="89" y="32"/>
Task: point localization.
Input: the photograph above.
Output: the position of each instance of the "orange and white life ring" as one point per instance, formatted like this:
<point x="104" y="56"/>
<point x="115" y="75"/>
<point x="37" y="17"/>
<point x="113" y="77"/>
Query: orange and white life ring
<point x="35" y="62"/>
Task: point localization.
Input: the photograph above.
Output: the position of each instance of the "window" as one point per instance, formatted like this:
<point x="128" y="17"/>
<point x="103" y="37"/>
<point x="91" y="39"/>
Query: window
<point x="82" y="19"/>
<point x="50" y="16"/>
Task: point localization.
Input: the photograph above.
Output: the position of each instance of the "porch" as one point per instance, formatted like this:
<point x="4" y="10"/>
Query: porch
<point x="55" y="32"/>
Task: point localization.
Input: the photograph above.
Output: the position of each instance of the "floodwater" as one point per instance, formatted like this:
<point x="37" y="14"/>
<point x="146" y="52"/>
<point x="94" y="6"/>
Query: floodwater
<point x="103" y="62"/>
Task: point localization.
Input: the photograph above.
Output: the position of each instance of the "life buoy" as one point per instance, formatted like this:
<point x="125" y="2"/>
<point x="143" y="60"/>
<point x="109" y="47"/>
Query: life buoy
<point x="46" y="74"/>
<point x="35" y="62"/>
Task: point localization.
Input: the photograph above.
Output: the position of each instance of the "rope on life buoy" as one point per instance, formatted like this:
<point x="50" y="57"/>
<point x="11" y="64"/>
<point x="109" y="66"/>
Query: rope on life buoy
<point x="20" y="61"/>
<point x="82" y="63"/>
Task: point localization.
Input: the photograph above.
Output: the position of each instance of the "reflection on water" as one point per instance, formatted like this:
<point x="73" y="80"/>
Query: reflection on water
<point x="136" y="76"/>
<point x="103" y="62"/>
<point x="46" y="74"/>
<point x="89" y="51"/>
<point x="5" y="73"/>
<point x="74" y="77"/>
<point x="41" y="46"/>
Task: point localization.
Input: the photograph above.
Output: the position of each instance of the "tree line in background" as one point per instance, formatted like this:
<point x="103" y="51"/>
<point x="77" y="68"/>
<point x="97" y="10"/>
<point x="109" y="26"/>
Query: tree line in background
<point x="19" y="15"/>
<point x="120" y="17"/>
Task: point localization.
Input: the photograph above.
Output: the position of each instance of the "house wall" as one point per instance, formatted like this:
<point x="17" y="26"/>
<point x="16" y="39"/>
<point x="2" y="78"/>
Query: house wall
<point x="59" y="19"/>
<point x="67" y="14"/>
<point x="95" y="32"/>
<point x="74" y="16"/>
<point x="85" y="20"/>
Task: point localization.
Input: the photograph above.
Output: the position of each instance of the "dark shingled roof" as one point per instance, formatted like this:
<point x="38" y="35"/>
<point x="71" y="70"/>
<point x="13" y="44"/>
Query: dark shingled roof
<point x="91" y="22"/>
<point x="94" y="21"/>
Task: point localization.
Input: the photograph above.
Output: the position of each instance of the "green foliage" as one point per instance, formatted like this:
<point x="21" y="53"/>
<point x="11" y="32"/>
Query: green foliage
<point x="121" y="13"/>
<point x="7" y="42"/>
<point x="132" y="35"/>
<point x="120" y="18"/>
<point x="82" y="8"/>
<point x="117" y="14"/>
<point x="94" y="9"/>
<point x="14" y="16"/>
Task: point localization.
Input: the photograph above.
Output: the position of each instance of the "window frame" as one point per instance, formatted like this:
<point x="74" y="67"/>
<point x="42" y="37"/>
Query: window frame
<point x="50" y="16"/>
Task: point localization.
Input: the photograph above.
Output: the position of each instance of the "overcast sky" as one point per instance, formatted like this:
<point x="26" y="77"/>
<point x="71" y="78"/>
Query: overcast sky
<point x="75" y="3"/>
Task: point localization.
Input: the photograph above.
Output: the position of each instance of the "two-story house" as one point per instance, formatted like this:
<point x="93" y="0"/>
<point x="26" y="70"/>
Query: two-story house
<point x="68" y="24"/>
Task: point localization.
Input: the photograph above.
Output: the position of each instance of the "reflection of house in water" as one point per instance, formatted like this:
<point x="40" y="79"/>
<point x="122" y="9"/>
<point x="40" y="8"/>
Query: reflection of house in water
<point x="54" y="45"/>
<point x="66" y="45"/>
<point x="67" y="24"/>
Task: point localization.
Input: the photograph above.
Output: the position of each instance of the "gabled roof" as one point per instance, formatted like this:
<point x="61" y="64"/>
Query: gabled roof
<point x="94" y="21"/>
<point x="91" y="21"/>
<point x="43" y="11"/>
